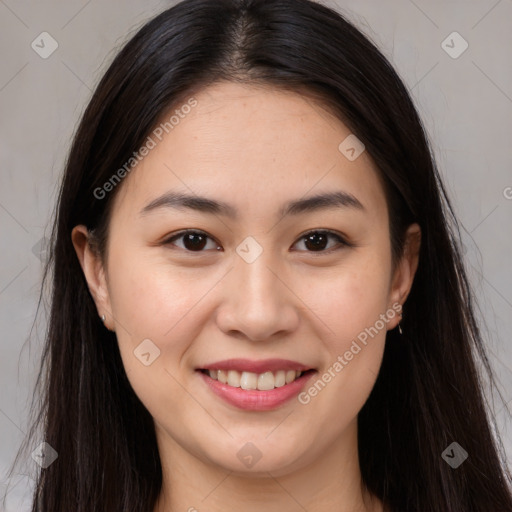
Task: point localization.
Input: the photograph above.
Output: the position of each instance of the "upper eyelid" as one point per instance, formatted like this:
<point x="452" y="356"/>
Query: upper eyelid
<point x="167" y="239"/>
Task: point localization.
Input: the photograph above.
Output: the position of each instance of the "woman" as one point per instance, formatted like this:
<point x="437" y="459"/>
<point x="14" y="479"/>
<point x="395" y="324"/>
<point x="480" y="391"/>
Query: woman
<point x="258" y="295"/>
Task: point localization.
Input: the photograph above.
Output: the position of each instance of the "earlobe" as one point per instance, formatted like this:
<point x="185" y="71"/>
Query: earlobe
<point x="93" y="270"/>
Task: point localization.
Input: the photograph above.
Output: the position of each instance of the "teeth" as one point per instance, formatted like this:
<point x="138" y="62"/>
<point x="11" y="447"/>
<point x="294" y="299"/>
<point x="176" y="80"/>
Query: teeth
<point x="265" y="380"/>
<point x="248" y="380"/>
<point x="280" y="378"/>
<point x="290" y="376"/>
<point x="221" y="377"/>
<point x="234" y="378"/>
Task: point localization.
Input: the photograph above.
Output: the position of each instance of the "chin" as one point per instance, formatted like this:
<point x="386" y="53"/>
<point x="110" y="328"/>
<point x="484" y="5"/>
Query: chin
<point x="253" y="459"/>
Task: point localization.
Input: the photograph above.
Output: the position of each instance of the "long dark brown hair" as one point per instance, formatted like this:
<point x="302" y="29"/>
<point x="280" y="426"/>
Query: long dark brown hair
<point x="429" y="392"/>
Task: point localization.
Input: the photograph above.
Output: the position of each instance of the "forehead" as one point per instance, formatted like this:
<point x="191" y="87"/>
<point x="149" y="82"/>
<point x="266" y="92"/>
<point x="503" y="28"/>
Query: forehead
<point x="254" y="146"/>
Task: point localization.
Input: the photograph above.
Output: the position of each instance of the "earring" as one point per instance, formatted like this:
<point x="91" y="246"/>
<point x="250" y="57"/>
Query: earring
<point x="103" y="318"/>
<point x="400" y="328"/>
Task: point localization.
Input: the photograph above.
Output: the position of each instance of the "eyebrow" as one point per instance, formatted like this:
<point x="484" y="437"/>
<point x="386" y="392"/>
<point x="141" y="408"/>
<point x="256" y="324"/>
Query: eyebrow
<point x="181" y="201"/>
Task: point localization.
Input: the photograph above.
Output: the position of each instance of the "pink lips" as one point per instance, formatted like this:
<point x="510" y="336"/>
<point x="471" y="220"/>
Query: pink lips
<point x="253" y="399"/>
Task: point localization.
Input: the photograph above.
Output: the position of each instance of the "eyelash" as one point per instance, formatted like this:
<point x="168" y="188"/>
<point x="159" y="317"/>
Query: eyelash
<point x="342" y="242"/>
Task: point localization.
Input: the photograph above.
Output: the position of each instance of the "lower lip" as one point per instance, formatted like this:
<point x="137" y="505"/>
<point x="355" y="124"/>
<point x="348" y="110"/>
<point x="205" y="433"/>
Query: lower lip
<point x="254" y="399"/>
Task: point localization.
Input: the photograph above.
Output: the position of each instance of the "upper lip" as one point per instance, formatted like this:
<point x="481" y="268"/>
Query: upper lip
<point x="261" y="366"/>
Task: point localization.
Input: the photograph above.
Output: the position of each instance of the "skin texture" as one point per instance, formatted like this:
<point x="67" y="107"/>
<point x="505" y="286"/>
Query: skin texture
<point x="255" y="148"/>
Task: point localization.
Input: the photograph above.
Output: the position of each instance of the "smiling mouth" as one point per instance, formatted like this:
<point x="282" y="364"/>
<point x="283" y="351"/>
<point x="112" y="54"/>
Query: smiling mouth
<point x="253" y="381"/>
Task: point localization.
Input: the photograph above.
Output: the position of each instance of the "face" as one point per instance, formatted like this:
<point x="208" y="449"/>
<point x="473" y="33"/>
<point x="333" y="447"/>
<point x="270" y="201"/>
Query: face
<point x="309" y="286"/>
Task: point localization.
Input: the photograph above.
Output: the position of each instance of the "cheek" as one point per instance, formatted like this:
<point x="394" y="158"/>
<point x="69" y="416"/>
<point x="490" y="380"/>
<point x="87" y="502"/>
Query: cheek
<point x="352" y="306"/>
<point x="352" y="298"/>
<point x="151" y="293"/>
<point x="152" y="300"/>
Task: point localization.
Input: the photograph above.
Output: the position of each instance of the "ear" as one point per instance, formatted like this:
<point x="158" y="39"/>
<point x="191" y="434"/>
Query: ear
<point x="94" y="272"/>
<point x="403" y="276"/>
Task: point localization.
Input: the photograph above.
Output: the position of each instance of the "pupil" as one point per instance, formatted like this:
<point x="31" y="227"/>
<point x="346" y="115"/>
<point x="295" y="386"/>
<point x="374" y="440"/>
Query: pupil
<point x="191" y="241"/>
<point x="314" y="240"/>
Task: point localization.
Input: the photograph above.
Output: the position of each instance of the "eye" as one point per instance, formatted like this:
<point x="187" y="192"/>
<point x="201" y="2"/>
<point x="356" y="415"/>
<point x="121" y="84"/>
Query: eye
<point x="314" y="241"/>
<point x="193" y="241"/>
<point x="317" y="241"/>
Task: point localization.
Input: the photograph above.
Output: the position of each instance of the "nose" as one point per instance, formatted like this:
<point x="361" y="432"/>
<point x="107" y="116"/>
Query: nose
<point x="258" y="302"/>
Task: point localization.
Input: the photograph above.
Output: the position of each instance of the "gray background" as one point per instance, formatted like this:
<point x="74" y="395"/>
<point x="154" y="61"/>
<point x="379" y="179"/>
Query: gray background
<point x="465" y="102"/>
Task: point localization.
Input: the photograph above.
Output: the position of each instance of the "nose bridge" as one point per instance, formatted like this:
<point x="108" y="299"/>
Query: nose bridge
<point x="253" y="266"/>
<point x="259" y="285"/>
